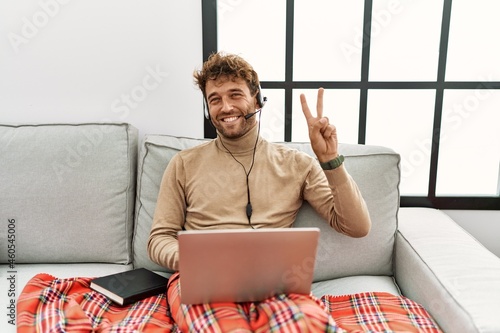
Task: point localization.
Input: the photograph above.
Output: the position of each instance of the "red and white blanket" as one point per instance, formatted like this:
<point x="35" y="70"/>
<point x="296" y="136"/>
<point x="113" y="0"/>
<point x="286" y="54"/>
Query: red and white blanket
<point x="48" y="304"/>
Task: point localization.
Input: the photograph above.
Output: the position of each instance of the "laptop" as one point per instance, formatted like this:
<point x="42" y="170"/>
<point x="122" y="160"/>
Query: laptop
<point x="241" y="265"/>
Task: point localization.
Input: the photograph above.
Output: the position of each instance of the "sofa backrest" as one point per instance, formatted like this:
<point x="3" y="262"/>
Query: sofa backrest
<point x="69" y="191"/>
<point x="375" y="169"/>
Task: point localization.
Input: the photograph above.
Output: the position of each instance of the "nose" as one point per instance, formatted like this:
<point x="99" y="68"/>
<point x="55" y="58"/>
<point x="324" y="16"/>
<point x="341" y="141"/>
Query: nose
<point x="226" y="104"/>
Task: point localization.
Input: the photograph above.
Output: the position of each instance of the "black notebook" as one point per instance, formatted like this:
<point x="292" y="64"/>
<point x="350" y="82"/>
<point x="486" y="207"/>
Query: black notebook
<point x="130" y="286"/>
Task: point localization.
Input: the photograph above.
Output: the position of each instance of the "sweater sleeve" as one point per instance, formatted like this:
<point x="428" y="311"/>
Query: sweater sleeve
<point x="169" y="217"/>
<point x="342" y="205"/>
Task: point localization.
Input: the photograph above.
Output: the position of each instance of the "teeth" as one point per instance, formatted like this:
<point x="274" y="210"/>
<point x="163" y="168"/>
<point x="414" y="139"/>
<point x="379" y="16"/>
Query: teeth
<point x="229" y="119"/>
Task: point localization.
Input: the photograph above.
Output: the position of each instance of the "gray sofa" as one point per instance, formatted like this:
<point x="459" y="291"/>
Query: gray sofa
<point x="80" y="200"/>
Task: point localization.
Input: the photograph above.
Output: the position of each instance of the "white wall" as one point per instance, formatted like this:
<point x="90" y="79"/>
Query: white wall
<point x="483" y="225"/>
<point x="120" y="60"/>
<point x="114" y="60"/>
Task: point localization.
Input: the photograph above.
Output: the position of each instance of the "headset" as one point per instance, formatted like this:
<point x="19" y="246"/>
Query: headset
<point x="261" y="101"/>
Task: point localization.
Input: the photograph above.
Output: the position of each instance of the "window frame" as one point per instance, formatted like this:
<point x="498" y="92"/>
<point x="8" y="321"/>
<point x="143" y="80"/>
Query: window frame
<point x="209" y="35"/>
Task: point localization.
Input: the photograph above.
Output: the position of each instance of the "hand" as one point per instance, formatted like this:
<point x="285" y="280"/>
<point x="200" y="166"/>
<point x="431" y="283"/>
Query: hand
<point x="322" y="134"/>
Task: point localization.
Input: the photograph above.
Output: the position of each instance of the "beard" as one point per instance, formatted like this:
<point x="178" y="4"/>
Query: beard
<point x="236" y="129"/>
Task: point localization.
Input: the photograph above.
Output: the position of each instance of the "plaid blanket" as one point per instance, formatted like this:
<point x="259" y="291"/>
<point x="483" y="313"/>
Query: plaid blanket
<point x="48" y="304"/>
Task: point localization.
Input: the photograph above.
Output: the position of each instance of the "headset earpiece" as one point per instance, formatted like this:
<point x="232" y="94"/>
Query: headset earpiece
<point x="260" y="100"/>
<point x="205" y="108"/>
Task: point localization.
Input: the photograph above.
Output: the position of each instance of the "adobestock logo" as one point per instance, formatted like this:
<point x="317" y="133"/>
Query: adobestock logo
<point x="30" y="27"/>
<point x="75" y="155"/>
<point x="381" y="19"/>
<point x="453" y="118"/>
<point x="93" y="137"/>
<point x="298" y="273"/>
<point x="274" y="125"/>
<point x="442" y="303"/>
<point x="470" y="104"/>
<point x="139" y="92"/>
<point x="224" y="6"/>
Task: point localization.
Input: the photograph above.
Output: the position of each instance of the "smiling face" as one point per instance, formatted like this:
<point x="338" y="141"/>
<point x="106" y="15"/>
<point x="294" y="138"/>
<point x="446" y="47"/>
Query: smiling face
<point x="229" y="100"/>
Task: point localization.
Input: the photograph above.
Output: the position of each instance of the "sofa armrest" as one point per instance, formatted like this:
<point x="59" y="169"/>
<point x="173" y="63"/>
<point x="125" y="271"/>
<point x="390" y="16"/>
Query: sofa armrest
<point x="445" y="269"/>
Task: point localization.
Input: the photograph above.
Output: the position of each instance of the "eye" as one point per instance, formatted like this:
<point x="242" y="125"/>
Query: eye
<point x="214" y="100"/>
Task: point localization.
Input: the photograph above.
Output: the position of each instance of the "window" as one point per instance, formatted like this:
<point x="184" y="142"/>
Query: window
<point x="421" y="77"/>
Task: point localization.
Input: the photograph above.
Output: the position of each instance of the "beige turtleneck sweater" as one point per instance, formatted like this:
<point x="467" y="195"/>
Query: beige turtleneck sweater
<point x="205" y="188"/>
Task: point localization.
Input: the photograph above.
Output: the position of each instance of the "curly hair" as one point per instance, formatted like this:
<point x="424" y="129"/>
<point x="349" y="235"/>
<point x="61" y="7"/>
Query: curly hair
<point x="230" y="65"/>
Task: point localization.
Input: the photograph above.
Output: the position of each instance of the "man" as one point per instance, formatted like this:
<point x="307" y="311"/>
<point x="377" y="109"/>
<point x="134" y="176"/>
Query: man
<point x="239" y="180"/>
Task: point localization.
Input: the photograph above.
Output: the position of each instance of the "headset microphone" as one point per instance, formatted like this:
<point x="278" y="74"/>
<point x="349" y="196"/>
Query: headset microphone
<point x="250" y="115"/>
<point x="261" y="101"/>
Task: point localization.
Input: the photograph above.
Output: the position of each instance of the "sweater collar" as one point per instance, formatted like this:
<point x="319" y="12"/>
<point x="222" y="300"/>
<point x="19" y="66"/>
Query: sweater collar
<point x="243" y="144"/>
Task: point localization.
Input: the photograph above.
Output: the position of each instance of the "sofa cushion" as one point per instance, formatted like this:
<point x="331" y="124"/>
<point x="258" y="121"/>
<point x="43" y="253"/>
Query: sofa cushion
<point x="355" y="285"/>
<point x="69" y="191"/>
<point x="375" y="169"/>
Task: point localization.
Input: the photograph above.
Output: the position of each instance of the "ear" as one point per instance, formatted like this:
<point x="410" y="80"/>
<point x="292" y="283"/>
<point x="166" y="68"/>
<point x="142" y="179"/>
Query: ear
<point x="256" y="102"/>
